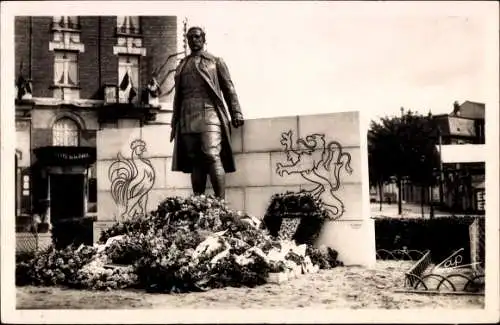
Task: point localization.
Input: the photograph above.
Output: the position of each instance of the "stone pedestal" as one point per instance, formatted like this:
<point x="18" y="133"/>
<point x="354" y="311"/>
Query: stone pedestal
<point x="353" y="240"/>
<point x="325" y="154"/>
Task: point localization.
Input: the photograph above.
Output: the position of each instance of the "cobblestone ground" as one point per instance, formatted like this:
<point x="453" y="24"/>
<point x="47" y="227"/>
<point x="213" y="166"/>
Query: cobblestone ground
<point x="342" y="287"/>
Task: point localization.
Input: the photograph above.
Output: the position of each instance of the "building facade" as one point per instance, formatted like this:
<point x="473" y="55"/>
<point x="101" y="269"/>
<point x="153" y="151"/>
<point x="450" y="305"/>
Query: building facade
<point x="75" y="76"/>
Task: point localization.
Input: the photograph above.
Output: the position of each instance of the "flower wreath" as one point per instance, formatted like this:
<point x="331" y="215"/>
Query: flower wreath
<point x="293" y="205"/>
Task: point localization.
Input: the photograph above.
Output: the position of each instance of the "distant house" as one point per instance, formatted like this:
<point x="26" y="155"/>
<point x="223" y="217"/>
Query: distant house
<point x="462" y="151"/>
<point x="465" y="125"/>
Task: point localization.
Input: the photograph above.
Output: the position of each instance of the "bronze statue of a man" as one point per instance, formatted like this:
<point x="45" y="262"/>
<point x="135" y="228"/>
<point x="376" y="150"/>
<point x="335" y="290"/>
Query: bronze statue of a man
<point x="200" y="121"/>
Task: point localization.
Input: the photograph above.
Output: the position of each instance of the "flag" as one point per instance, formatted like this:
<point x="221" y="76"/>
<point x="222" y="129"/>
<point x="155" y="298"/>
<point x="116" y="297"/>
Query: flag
<point x="132" y="94"/>
<point x="28" y="87"/>
<point x="23" y="87"/>
<point x="125" y="82"/>
<point x="21" y="91"/>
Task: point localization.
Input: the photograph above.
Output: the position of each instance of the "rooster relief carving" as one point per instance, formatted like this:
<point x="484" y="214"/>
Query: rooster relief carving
<point x="314" y="159"/>
<point x="131" y="180"/>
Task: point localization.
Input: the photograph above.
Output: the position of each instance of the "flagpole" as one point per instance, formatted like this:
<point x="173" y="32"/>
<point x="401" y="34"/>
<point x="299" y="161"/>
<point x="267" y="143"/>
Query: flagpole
<point x="441" y="173"/>
<point x="185" y="22"/>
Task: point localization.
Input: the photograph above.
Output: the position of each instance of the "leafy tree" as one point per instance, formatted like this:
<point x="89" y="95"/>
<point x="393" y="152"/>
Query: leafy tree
<point x="423" y="158"/>
<point x="403" y="147"/>
<point x="379" y="173"/>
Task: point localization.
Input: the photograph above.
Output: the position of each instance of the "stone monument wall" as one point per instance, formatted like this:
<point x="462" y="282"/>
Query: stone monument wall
<point x="318" y="153"/>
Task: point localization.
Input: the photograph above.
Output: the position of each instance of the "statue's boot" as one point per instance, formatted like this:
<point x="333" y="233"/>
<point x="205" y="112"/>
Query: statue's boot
<point x="198" y="179"/>
<point x="217" y="178"/>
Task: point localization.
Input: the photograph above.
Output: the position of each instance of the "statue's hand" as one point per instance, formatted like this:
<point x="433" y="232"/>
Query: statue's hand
<point x="238" y="121"/>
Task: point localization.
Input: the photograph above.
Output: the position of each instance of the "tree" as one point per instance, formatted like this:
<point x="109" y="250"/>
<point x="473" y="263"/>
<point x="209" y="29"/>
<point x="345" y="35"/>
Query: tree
<point x="379" y="174"/>
<point x="403" y="147"/>
<point x="386" y="152"/>
<point x="424" y="157"/>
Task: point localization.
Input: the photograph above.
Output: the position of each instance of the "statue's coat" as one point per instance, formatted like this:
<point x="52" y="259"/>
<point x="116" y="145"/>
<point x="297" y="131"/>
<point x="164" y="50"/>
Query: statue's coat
<point x="216" y="74"/>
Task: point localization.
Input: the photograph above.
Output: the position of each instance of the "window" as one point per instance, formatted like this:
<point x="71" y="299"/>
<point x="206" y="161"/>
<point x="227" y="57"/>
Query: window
<point x="128" y="78"/>
<point x="128" y="24"/>
<point x="65" y="132"/>
<point x="68" y="22"/>
<point x="66" y="34"/>
<point x="128" y="36"/>
<point x="65" y="69"/>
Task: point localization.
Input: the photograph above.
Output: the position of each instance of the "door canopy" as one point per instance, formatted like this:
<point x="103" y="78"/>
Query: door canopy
<point x="65" y="156"/>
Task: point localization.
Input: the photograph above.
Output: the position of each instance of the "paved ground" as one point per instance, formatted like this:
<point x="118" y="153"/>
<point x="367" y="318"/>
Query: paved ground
<point x="342" y="287"/>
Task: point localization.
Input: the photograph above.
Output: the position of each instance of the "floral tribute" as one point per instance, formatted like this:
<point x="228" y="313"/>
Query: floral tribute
<point x="187" y="244"/>
<point x="295" y="215"/>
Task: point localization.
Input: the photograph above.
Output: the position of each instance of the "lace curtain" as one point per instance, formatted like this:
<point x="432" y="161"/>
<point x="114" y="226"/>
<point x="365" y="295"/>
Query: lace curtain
<point x="65" y="69"/>
<point x="128" y="68"/>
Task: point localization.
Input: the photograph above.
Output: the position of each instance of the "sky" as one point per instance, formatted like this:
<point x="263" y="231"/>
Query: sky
<point x="306" y="57"/>
<point x="313" y="57"/>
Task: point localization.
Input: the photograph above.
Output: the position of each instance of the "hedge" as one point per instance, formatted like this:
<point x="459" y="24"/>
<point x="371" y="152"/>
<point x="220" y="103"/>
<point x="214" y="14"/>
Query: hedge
<point x="442" y="236"/>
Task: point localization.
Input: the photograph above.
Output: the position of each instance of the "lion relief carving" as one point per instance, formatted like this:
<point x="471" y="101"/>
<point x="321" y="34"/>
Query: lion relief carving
<point x="318" y="162"/>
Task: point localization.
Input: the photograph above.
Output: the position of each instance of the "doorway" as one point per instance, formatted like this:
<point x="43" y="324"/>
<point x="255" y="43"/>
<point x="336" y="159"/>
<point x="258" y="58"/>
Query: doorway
<point x="67" y="196"/>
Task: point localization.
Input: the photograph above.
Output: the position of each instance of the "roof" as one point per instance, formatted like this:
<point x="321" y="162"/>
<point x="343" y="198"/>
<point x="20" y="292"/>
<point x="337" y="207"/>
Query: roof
<point x="472" y="110"/>
<point x="442" y="123"/>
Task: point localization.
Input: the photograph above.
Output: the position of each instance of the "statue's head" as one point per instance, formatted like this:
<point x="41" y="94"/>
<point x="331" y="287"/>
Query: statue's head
<point x="196" y="38"/>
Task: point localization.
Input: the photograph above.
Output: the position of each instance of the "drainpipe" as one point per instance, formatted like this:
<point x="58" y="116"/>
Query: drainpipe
<point x="30" y="51"/>
<point x="99" y="32"/>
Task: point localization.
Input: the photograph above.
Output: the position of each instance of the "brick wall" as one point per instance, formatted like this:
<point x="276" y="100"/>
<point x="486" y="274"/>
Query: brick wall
<point x="88" y="61"/>
<point x="22" y="43"/>
<point x="160" y="40"/>
<point x="109" y="61"/>
<point x="42" y="68"/>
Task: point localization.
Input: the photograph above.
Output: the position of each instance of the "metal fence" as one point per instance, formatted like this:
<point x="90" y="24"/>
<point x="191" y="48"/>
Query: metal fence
<point x="27" y="242"/>
<point x="413" y="276"/>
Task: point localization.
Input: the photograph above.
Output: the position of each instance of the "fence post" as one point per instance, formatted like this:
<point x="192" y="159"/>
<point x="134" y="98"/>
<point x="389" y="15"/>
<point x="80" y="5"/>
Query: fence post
<point x="474" y="241"/>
